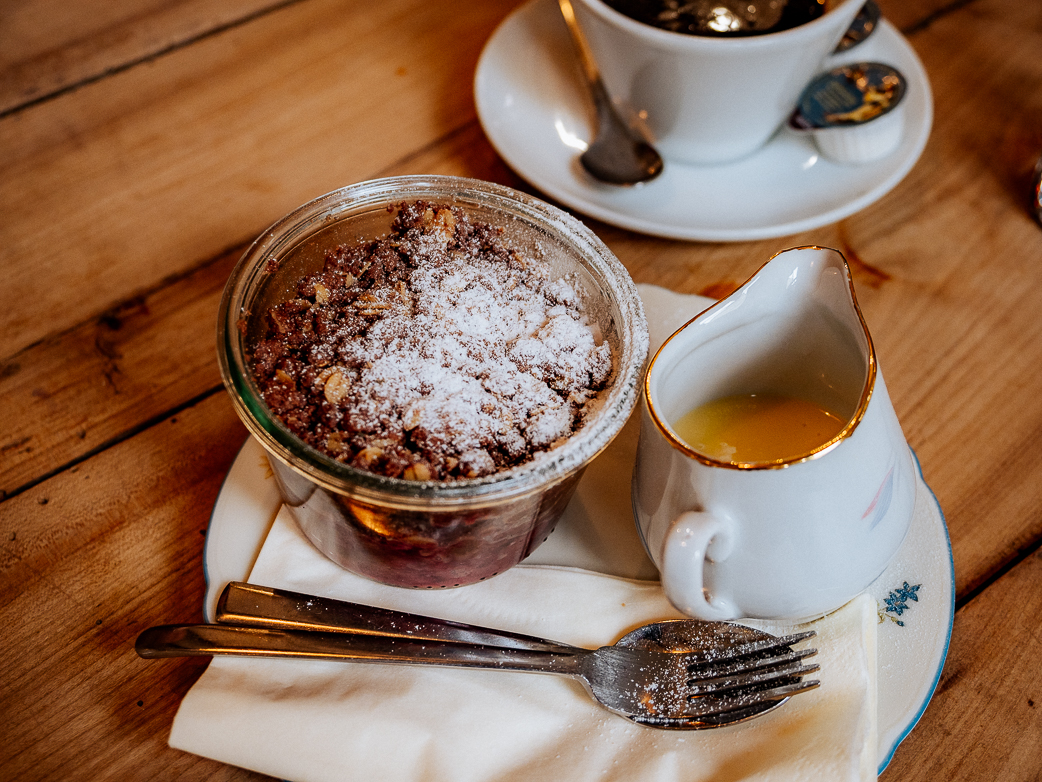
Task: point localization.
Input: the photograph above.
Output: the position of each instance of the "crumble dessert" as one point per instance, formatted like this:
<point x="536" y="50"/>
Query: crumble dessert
<point x="437" y="352"/>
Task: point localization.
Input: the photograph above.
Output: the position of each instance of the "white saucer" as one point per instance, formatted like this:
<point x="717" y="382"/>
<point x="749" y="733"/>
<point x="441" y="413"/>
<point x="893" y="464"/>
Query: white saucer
<point x="915" y="595"/>
<point x="532" y="105"/>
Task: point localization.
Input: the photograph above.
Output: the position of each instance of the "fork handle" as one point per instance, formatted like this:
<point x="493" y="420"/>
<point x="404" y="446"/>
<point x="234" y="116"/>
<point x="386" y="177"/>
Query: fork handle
<point x="216" y="639"/>
<point x="259" y="606"/>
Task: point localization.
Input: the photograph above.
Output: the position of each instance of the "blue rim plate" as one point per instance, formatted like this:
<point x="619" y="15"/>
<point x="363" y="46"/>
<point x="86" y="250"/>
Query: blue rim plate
<point x="915" y="595"/>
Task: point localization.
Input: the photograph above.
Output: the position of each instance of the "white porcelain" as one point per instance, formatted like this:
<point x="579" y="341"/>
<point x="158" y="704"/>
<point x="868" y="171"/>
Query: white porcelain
<point x="860" y="144"/>
<point x="795" y="537"/>
<point x="532" y="105"/>
<point x="707" y="99"/>
<point x="597" y="533"/>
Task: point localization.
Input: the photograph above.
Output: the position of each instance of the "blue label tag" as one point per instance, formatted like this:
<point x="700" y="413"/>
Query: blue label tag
<point x="849" y="95"/>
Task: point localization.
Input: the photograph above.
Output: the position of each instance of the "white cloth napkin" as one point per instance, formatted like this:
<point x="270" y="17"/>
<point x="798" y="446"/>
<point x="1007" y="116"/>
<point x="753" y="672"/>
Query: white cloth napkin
<point x="316" y="720"/>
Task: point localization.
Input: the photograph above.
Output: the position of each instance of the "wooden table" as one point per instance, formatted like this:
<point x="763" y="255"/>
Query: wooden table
<point x="144" y="144"/>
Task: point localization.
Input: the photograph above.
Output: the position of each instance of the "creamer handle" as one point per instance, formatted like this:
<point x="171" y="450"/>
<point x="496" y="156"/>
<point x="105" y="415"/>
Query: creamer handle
<point x="684" y="554"/>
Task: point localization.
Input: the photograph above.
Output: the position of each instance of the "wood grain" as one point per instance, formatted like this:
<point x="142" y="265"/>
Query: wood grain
<point x="114" y="187"/>
<point x="985" y="720"/>
<point x="90" y="558"/>
<point x="74" y="393"/>
<point x="143" y="144"/>
<point x="47" y="46"/>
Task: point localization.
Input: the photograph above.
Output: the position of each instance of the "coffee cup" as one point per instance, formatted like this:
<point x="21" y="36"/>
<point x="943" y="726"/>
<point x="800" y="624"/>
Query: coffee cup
<point x="705" y="99"/>
<point x="792" y="530"/>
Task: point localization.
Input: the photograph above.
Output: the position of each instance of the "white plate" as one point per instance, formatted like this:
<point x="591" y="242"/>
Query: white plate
<point x="915" y="595"/>
<point x="532" y="105"/>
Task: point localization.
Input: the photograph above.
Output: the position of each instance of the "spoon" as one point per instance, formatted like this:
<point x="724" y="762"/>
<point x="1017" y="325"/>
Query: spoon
<point x="241" y="603"/>
<point x="618" y="153"/>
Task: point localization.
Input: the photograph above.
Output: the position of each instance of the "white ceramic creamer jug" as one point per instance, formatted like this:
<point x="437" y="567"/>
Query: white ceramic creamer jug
<point x="797" y="535"/>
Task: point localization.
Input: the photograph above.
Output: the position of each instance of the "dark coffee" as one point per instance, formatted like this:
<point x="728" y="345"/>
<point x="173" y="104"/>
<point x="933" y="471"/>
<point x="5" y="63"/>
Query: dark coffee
<point x="725" y="18"/>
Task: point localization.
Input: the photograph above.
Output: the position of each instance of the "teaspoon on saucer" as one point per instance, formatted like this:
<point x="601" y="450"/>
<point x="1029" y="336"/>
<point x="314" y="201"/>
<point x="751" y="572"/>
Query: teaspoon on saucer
<point x="618" y="153"/>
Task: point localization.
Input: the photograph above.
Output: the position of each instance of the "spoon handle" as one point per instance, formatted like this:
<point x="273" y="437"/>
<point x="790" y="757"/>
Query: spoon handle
<point x="582" y="47"/>
<point x="258" y="606"/>
<point x="207" y="640"/>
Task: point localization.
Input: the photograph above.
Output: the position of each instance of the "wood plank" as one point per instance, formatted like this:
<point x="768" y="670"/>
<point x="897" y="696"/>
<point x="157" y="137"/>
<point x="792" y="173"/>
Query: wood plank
<point x="50" y="45"/>
<point x="917" y="16"/>
<point x="87" y="679"/>
<point x="168" y="473"/>
<point x="92" y="554"/>
<point x="73" y="393"/>
<point x="47" y="46"/>
<point x="985" y="720"/>
<point x="114" y="187"/>
<point x="88" y="560"/>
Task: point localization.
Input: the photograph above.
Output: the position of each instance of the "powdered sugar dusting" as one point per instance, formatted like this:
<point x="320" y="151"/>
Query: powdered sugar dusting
<point x="435" y="353"/>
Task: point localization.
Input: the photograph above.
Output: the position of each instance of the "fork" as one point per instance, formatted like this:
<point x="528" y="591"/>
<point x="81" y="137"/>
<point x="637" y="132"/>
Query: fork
<point x="687" y="690"/>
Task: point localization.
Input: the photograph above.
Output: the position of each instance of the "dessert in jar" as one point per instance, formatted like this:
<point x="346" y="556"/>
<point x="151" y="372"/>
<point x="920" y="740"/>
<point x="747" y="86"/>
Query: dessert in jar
<point x="430" y="362"/>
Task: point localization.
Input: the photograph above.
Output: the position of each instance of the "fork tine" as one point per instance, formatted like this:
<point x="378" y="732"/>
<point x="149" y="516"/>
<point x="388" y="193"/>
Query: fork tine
<point x="760" y="676"/>
<point x="705" y="705"/>
<point x="713" y="657"/>
<point x="747" y="664"/>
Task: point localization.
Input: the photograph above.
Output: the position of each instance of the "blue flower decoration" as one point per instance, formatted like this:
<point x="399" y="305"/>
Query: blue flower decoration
<point x="897" y="600"/>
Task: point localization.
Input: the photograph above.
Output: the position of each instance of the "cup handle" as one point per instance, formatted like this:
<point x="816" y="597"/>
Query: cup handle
<point x="684" y="553"/>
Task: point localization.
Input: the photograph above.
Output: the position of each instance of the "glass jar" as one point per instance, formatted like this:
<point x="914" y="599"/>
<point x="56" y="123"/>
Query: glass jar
<point x="428" y="534"/>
